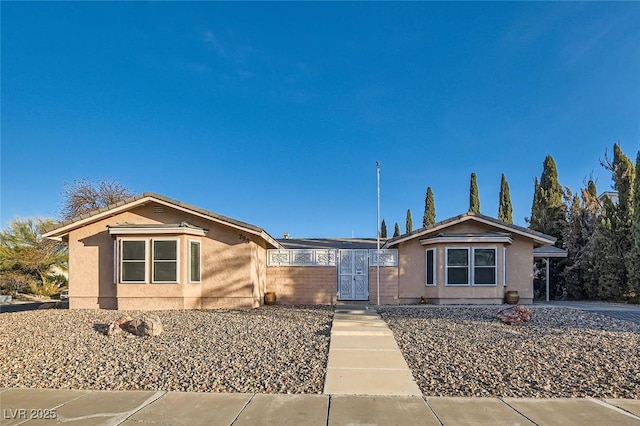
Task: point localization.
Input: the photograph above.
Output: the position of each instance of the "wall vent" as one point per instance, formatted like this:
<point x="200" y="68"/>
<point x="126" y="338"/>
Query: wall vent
<point x="158" y="209"/>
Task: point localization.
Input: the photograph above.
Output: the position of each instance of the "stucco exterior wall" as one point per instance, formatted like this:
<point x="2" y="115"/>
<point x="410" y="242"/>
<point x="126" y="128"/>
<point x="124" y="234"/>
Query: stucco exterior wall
<point x="232" y="266"/>
<point x="304" y="285"/>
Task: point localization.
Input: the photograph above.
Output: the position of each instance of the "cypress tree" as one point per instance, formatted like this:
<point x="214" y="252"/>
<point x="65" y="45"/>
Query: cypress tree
<point x="535" y="206"/>
<point x="396" y="230"/>
<point x="383" y="229"/>
<point x="615" y="240"/>
<point x="474" y="198"/>
<point x="572" y="236"/>
<point x="429" y="217"/>
<point x="505" y="210"/>
<point x="548" y="215"/>
<point x="548" y="209"/>
<point x="409" y="222"/>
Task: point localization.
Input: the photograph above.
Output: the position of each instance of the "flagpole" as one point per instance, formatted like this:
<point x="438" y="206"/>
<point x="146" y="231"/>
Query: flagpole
<point x="378" y="233"/>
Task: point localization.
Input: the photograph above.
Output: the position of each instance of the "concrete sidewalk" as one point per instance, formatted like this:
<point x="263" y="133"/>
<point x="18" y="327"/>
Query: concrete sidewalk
<point x="364" y="358"/>
<point x="47" y="406"/>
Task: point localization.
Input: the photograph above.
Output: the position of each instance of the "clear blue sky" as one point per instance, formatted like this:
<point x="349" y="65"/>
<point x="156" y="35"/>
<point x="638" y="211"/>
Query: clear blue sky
<point x="275" y="113"/>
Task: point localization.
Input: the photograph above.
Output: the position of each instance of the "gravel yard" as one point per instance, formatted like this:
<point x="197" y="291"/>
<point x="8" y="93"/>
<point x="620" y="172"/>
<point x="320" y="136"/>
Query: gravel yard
<point x="267" y="350"/>
<point x="465" y="351"/>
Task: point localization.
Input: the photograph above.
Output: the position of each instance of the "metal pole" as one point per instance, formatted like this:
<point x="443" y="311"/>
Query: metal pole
<point x="378" y="233"/>
<point x="547" y="261"/>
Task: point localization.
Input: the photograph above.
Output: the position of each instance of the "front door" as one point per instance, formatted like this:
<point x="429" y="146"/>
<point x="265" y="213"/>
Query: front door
<point x="353" y="275"/>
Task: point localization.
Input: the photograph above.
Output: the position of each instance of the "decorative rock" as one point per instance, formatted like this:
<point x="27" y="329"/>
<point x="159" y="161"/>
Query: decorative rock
<point x="515" y="315"/>
<point x="118" y="326"/>
<point x="148" y="325"/>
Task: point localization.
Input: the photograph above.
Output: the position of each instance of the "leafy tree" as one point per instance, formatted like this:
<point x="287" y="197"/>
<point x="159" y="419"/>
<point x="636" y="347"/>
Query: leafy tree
<point x="474" y="197"/>
<point x="83" y="196"/>
<point x="383" y="229"/>
<point x="429" y="217"/>
<point x="409" y="222"/>
<point x="27" y="257"/>
<point x="505" y="210"/>
<point x="396" y="230"/>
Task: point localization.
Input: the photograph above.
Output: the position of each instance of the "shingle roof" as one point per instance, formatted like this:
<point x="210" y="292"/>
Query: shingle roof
<point x="538" y="236"/>
<point x="64" y="227"/>
<point x="329" y="243"/>
<point x="549" y="251"/>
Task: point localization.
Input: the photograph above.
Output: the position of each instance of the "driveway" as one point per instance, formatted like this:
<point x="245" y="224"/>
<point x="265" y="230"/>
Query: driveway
<point x="615" y="310"/>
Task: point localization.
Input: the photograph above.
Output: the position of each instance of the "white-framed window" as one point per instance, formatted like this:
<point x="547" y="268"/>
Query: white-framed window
<point x="471" y="266"/>
<point x="484" y="266"/>
<point x="431" y="267"/>
<point x="457" y="266"/>
<point x="194" y="261"/>
<point x="504" y="266"/>
<point x="165" y="261"/>
<point x="133" y="261"/>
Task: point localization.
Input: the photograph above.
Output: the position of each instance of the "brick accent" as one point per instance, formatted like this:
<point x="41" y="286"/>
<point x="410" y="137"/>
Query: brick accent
<point x="302" y="285"/>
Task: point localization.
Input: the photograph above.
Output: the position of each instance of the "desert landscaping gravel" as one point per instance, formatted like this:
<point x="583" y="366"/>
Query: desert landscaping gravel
<point x="266" y="350"/>
<point x="465" y="351"/>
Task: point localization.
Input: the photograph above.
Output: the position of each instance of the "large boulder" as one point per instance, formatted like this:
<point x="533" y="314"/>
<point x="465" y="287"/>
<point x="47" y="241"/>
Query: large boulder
<point x="147" y="325"/>
<point x="118" y="326"/>
<point x="515" y="315"/>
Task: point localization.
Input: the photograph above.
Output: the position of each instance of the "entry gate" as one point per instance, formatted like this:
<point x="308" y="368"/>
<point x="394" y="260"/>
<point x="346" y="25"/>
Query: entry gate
<point x="353" y="275"/>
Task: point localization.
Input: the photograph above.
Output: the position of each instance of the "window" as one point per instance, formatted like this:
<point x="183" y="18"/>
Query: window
<point x="194" y="261"/>
<point x="431" y="267"/>
<point x="133" y="261"/>
<point x="457" y="266"/>
<point x="484" y="266"/>
<point x="477" y="269"/>
<point x="165" y="261"/>
<point x="504" y="266"/>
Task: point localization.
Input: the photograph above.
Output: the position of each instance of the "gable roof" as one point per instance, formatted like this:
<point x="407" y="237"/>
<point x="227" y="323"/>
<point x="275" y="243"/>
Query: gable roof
<point x="537" y="237"/>
<point x="93" y="216"/>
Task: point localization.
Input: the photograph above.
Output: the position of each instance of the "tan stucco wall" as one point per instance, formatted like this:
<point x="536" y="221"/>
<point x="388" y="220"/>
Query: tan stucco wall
<point x="412" y="270"/>
<point x="315" y="285"/>
<point x="232" y="267"/>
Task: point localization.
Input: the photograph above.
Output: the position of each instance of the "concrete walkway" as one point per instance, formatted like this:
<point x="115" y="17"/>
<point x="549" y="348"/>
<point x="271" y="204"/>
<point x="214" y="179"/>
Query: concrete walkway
<point x="364" y="358"/>
<point x="74" y="407"/>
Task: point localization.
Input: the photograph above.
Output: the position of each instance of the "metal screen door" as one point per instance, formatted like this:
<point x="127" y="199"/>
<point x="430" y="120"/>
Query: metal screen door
<point x="353" y="275"/>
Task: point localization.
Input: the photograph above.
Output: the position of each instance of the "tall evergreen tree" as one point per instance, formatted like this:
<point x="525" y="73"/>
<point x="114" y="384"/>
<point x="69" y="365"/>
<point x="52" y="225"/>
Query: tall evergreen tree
<point x="607" y="262"/>
<point x="579" y="239"/>
<point x="396" y="230"/>
<point x="548" y="215"/>
<point x="409" y="222"/>
<point x="383" y="229"/>
<point x="474" y="197"/>
<point x="505" y="210"/>
<point x="615" y="238"/>
<point x="548" y="210"/>
<point x="429" y="217"/>
<point x="535" y="206"/>
<point x="621" y="219"/>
